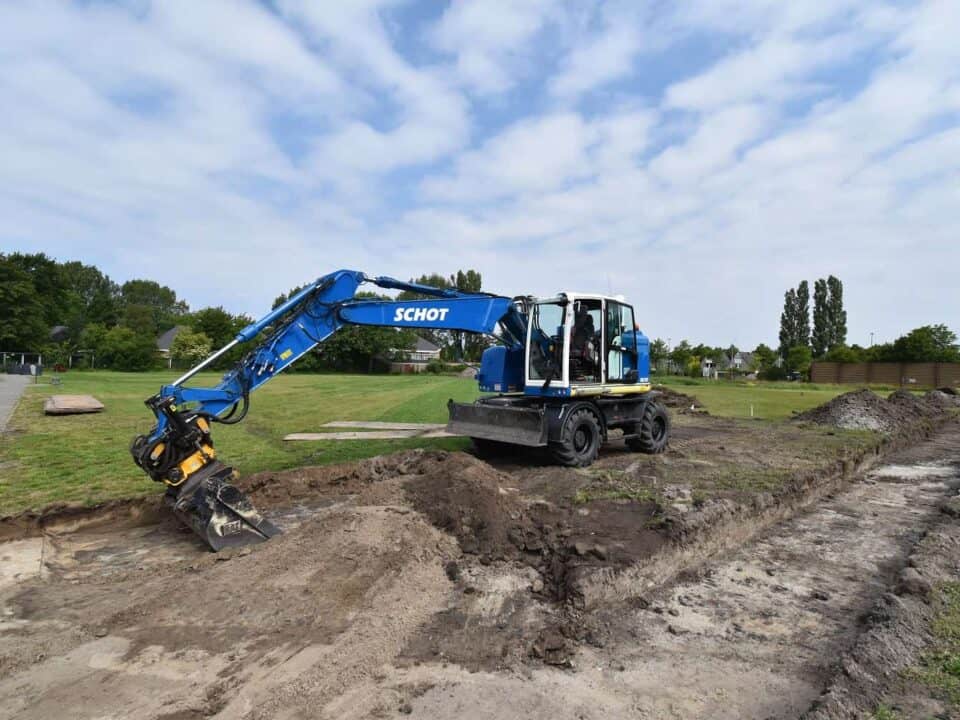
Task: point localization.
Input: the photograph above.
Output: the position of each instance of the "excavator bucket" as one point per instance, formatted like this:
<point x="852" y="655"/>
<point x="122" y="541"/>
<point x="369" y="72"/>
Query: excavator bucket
<point x="218" y="511"/>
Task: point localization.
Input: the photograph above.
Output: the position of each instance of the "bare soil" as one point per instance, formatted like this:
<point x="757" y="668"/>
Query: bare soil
<point x="435" y="584"/>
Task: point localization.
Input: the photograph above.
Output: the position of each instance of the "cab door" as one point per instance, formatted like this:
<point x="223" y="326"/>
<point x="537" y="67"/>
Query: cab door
<point x="620" y="342"/>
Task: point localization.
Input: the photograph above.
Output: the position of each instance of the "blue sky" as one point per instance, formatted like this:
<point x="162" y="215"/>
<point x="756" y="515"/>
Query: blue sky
<point x="697" y="157"/>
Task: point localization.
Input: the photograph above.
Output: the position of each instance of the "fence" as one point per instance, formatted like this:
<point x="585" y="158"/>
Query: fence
<point x="927" y="374"/>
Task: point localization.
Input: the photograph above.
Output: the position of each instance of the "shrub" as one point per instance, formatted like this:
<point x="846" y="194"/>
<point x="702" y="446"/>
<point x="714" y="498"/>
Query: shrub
<point x="773" y="373"/>
<point x="123" y="349"/>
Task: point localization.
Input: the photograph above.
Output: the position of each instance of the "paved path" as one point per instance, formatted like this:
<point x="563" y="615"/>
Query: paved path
<point x="11" y="387"/>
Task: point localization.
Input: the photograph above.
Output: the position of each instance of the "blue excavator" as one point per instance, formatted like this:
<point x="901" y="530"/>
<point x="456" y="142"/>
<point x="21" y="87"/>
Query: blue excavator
<point x="565" y="370"/>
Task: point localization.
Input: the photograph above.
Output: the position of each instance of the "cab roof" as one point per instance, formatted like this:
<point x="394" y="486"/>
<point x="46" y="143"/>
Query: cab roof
<point x="571" y="296"/>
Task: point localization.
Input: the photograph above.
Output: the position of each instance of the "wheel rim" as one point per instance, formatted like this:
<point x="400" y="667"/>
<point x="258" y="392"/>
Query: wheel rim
<point x="581" y="440"/>
<point x="658" y="429"/>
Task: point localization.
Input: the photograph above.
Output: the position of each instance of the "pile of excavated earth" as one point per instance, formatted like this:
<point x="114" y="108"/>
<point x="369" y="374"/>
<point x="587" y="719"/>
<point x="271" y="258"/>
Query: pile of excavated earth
<point x="865" y="410"/>
<point x="435" y="584"/>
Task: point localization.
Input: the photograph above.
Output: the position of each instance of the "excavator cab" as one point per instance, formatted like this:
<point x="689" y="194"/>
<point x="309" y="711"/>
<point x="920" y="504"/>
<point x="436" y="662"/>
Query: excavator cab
<point x="584" y="344"/>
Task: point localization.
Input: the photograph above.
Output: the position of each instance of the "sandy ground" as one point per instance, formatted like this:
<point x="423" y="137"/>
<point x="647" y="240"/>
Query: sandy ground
<point x="435" y="585"/>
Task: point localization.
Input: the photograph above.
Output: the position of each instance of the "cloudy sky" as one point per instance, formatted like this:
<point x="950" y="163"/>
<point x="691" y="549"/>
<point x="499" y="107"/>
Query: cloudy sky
<point x="697" y="157"/>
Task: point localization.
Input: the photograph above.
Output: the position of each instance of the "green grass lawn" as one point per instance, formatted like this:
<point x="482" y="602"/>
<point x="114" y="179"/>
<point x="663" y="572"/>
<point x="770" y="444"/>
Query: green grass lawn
<point x="85" y="458"/>
<point x="769" y="400"/>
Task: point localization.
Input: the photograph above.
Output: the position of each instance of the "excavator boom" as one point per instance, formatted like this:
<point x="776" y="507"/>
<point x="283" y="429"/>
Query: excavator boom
<point x="179" y="450"/>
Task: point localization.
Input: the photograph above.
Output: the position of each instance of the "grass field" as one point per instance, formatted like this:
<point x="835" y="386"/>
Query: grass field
<point x="769" y="400"/>
<point x="85" y="458"/>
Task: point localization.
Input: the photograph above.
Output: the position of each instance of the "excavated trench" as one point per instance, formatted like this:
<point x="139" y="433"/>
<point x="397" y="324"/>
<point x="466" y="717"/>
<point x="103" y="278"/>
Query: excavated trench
<point x="758" y="634"/>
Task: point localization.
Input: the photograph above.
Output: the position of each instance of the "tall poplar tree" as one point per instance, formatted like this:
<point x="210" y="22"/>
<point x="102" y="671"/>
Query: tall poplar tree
<point x="822" y="333"/>
<point x="837" y="315"/>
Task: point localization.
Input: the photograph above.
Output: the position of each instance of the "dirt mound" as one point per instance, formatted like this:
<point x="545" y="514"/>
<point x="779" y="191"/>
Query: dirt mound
<point x="677" y="400"/>
<point x="457" y="492"/>
<point x="463" y="496"/>
<point x="858" y="410"/>
<point x="945" y="398"/>
<point x="865" y="410"/>
<point x="911" y="407"/>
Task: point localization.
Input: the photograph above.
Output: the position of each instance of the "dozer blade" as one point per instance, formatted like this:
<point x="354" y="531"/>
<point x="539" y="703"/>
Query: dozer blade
<point x="219" y="512"/>
<point x="504" y="423"/>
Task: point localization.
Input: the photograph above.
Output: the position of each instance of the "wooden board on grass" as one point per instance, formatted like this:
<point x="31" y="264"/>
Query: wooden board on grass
<point x="71" y="405"/>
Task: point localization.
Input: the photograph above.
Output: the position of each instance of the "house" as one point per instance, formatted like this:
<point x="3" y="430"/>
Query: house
<point x="423" y="351"/>
<point x="742" y="361"/>
<point x="59" y="333"/>
<point x="165" y="342"/>
<point x="416" y="358"/>
<point x="707" y="368"/>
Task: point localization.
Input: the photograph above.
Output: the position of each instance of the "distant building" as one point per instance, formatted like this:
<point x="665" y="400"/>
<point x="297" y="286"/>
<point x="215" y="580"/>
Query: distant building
<point x="416" y="358"/>
<point x="165" y="342"/>
<point x="707" y="368"/>
<point x="742" y="361"/>
<point x="59" y="333"/>
<point x="424" y="351"/>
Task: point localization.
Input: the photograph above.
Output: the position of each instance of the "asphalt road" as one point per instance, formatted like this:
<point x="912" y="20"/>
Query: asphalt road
<point x="11" y="387"/>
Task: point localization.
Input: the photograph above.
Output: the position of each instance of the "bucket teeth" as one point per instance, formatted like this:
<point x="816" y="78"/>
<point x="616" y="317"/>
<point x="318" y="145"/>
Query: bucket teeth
<point x="218" y="511"/>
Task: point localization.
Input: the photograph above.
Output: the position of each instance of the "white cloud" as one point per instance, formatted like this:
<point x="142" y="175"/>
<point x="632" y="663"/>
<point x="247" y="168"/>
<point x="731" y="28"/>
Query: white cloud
<point x="528" y="156"/>
<point x="489" y="38"/>
<point x="607" y="56"/>
<point x="543" y="154"/>
<point x="433" y="118"/>
<point x="712" y="147"/>
<point x="773" y="70"/>
<point x="243" y="150"/>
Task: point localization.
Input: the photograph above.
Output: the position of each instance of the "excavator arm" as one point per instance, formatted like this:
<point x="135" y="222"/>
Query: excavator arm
<point x="179" y="450"/>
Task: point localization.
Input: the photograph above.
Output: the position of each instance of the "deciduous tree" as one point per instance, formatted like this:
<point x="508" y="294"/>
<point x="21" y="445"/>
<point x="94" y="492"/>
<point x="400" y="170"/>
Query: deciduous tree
<point x="22" y="323"/>
<point x="123" y="349"/>
<point x="798" y="359"/>
<point x="190" y="345"/>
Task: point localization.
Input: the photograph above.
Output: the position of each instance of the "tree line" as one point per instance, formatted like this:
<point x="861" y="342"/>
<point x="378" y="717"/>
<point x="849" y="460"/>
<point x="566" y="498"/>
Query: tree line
<point x="827" y="339"/>
<point x="802" y="342"/>
<point x="116" y="326"/>
<point x="58" y="308"/>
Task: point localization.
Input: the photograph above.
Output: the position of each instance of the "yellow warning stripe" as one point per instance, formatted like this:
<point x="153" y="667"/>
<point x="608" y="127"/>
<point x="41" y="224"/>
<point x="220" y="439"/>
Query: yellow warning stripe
<point x="580" y="391"/>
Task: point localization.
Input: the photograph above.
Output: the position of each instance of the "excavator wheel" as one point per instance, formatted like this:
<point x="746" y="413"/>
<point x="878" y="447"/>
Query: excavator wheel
<point x="582" y="437"/>
<point x="652" y="433"/>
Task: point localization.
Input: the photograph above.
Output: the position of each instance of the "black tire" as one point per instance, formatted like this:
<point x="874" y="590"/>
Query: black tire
<point x="582" y="436"/>
<point x="652" y="433"/>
